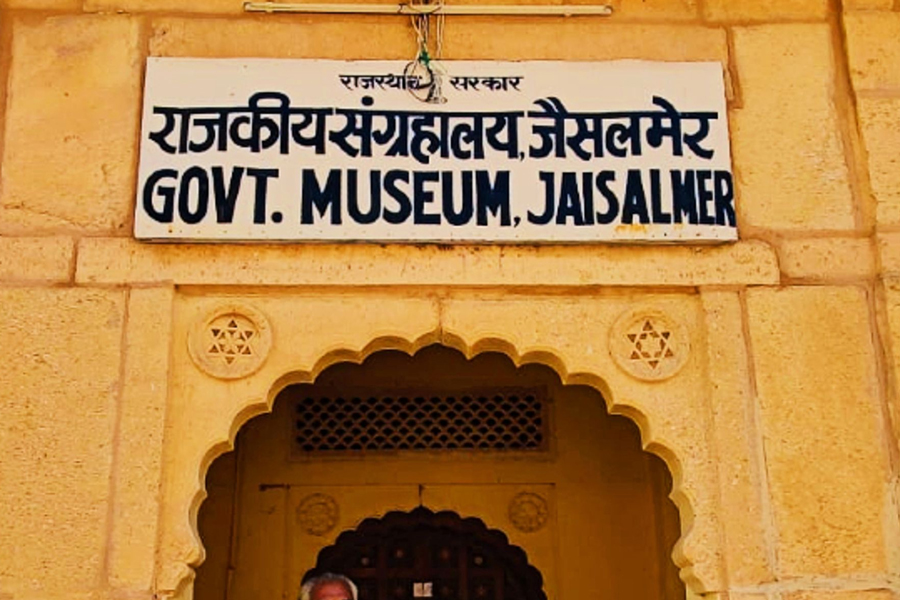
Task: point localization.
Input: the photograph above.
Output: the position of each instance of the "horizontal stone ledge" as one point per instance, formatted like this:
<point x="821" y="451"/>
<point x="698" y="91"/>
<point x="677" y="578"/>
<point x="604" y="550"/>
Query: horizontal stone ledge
<point x="827" y="259"/>
<point x="123" y="261"/>
<point x="36" y="259"/>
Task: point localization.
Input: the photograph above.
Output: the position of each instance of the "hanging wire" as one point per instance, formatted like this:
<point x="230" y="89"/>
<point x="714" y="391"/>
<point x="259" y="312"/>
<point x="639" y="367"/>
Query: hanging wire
<point x="424" y="74"/>
<point x="439" y="33"/>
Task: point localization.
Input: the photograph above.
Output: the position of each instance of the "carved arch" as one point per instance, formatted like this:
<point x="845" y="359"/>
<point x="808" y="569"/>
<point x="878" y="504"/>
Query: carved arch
<point x="173" y="579"/>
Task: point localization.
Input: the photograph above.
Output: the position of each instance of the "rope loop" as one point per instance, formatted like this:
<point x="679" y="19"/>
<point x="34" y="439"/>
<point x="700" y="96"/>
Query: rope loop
<point x="423" y="74"/>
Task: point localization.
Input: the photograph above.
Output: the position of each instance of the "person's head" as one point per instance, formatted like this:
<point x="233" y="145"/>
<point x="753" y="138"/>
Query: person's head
<point x="328" y="586"/>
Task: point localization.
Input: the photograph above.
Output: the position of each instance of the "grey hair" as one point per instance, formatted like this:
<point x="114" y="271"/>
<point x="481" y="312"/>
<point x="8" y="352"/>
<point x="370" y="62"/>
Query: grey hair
<point x="307" y="588"/>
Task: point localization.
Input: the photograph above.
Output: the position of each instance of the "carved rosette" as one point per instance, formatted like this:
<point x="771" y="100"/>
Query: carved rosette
<point x="648" y="344"/>
<point x="528" y="512"/>
<point x="231" y="342"/>
<point x="317" y="514"/>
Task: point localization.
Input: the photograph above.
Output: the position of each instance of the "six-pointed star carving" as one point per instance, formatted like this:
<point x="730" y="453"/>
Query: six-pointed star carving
<point x="231" y="341"/>
<point x="650" y="345"/>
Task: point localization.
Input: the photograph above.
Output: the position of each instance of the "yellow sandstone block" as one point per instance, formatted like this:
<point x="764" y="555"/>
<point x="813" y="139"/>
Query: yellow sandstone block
<point x="71" y="124"/>
<point x="649" y="9"/>
<point x="842" y="595"/>
<point x="582" y="38"/>
<point x="786" y="139"/>
<point x="892" y="308"/>
<point x="60" y="350"/>
<point x="42" y="4"/>
<point x="367" y="37"/>
<point x="873" y="48"/>
<point x="879" y="120"/>
<point x="117" y="260"/>
<point x="889" y="252"/>
<point x="195" y="6"/>
<point x="504" y="2"/>
<point x="823" y="259"/>
<point x="765" y="10"/>
<point x="36" y="259"/>
<point x="141" y="422"/>
<point x="295" y="36"/>
<point x="235" y="7"/>
<point x="736" y="439"/>
<point x="669" y="9"/>
<point x="868" y="5"/>
<point x="818" y="396"/>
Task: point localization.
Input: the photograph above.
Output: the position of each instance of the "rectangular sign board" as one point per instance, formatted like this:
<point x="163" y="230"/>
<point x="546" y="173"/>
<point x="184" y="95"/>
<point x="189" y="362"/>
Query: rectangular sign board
<point x="514" y="152"/>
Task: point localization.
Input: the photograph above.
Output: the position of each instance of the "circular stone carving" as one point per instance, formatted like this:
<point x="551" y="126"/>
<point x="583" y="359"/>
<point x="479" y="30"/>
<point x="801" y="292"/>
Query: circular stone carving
<point x="233" y="341"/>
<point x="528" y="511"/>
<point x="648" y="344"/>
<point x="317" y="514"/>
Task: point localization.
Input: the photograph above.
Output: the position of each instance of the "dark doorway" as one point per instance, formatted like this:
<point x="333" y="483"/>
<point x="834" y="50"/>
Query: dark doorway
<point x="422" y="555"/>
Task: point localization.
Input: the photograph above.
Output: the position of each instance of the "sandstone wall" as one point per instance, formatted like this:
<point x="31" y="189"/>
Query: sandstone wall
<point x="782" y="433"/>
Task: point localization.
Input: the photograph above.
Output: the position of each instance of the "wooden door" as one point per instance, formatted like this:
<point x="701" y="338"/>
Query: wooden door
<point x="422" y="555"/>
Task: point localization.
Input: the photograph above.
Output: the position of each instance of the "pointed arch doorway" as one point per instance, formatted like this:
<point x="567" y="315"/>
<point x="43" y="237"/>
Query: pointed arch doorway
<point x="424" y="555"/>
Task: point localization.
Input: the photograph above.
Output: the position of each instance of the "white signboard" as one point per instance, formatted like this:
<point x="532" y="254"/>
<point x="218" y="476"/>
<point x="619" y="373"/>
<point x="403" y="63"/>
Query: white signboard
<point x="253" y="149"/>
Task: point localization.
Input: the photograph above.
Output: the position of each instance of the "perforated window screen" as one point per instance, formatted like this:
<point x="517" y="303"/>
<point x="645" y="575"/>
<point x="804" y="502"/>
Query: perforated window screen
<point x="495" y="420"/>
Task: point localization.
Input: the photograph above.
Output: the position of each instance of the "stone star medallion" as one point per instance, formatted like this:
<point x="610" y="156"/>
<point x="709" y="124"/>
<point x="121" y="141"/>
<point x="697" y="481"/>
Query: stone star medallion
<point x="648" y="344"/>
<point x="232" y="338"/>
<point x="231" y="342"/>
<point x="651" y="344"/>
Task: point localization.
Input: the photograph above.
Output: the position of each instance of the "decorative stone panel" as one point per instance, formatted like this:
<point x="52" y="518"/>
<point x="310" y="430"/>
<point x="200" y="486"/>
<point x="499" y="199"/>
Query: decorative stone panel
<point x="648" y="344"/>
<point x="317" y="514"/>
<point x="232" y="342"/>
<point x="528" y="512"/>
<point x="322" y="328"/>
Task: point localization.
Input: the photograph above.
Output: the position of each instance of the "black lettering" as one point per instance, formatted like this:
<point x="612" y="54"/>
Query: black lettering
<point x="365" y="218"/>
<point x="684" y="196"/>
<point x="548" y="177"/>
<point x="352" y="187"/>
<point x="724" y="188"/>
<point x="569" y="200"/>
<point x="404" y="206"/>
<point x="465" y="212"/>
<point x="659" y="215"/>
<point x="587" y="190"/>
<point x="604" y="177"/>
<point x="226" y="198"/>
<point x="704" y="197"/>
<point x="321" y="199"/>
<point x="635" y="202"/>
<point x="492" y="198"/>
<point x="421" y="197"/>
<point x="192" y="217"/>
<point x="262" y="191"/>
<point x="166" y="192"/>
